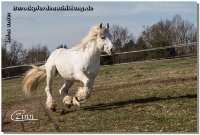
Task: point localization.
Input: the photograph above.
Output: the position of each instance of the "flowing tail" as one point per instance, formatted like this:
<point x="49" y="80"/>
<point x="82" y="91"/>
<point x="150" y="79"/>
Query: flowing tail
<point x="33" y="78"/>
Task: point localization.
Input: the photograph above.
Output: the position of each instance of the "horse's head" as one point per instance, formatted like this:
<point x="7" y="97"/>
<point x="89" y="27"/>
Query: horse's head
<point x="104" y="40"/>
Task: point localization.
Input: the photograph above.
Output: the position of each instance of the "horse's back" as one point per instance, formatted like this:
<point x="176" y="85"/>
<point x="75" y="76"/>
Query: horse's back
<point x="64" y="60"/>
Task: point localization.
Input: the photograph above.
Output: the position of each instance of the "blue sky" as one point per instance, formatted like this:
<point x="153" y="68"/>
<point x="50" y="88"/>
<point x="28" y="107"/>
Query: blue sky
<point x="53" y="28"/>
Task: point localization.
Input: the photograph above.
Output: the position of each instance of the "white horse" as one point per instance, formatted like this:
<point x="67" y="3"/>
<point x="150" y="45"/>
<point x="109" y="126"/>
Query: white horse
<point x="80" y="63"/>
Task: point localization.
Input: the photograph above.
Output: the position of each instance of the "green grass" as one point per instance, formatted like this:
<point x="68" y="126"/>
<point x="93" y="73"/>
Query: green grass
<point x="155" y="96"/>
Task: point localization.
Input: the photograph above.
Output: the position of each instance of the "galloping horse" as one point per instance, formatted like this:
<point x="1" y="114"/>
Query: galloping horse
<point x="80" y="63"/>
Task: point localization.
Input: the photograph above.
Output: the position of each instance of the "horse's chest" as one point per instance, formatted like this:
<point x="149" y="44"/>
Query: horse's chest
<point x="91" y="71"/>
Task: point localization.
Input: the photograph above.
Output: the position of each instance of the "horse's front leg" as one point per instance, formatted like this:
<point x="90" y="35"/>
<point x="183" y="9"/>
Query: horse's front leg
<point x="84" y="92"/>
<point x="67" y="99"/>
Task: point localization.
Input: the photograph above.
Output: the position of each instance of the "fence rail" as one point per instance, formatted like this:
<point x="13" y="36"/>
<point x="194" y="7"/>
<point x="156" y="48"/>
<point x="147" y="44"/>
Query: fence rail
<point x="157" y="48"/>
<point x="173" y="51"/>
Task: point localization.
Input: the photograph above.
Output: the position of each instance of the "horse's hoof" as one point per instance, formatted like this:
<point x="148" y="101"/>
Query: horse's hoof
<point x="68" y="105"/>
<point x="53" y="109"/>
<point x="67" y="101"/>
<point x="75" y="101"/>
<point x="51" y="105"/>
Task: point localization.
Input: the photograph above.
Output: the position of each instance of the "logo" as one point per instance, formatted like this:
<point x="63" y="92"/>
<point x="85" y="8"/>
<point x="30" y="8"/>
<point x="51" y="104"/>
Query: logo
<point x="21" y="115"/>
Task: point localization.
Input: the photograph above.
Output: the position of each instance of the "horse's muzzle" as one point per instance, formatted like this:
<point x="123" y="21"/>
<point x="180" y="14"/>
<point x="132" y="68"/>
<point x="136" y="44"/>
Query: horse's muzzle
<point x="112" y="51"/>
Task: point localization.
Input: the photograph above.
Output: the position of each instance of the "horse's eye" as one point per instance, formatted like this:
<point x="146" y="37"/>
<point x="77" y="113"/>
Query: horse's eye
<point x="103" y="37"/>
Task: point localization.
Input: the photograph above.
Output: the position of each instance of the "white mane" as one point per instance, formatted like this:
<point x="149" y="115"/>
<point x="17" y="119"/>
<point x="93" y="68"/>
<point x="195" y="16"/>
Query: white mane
<point x="94" y="32"/>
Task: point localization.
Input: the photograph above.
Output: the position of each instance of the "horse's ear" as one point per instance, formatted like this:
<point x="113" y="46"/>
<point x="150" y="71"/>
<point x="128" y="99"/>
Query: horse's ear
<point x="107" y="26"/>
<point x="100" y="25"/>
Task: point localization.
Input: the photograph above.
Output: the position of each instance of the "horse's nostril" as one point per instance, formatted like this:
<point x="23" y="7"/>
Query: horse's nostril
<point x="112" y="50"/>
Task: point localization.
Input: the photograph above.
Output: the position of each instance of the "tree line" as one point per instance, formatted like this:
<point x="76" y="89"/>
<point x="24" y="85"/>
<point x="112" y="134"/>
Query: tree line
<point x="163" y="33"/>
<point x="14" y="54"/>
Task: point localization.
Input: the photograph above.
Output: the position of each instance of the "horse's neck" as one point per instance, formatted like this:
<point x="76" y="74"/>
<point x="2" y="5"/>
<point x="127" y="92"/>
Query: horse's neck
<point x="92" y="53"/>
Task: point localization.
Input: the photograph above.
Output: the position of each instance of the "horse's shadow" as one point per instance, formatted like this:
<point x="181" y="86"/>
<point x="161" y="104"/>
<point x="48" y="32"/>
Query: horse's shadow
<point x="119" y="104"/>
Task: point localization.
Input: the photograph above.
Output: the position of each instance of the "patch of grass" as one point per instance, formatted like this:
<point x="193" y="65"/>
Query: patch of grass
<point x="157" y="96"/>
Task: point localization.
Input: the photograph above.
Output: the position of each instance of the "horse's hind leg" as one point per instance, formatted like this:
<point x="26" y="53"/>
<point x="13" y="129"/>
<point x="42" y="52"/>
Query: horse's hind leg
<point x="50" y="102"/>
<point x="67" y="99"/>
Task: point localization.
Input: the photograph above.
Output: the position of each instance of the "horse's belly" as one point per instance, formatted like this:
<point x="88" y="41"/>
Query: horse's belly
<point x="65" y="71"/>
<point x="66" y="74"/>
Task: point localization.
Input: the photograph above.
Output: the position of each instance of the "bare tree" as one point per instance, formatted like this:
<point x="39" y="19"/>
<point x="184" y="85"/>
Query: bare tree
<point x="17" y="53"/>
<point x="4" y="53"/>
<point x="37" y="54"/>
<point x="175" y="31"/>
<point x="168" y="32"/>
<point x="121" y="36"/>
<point x="12" y="54"/>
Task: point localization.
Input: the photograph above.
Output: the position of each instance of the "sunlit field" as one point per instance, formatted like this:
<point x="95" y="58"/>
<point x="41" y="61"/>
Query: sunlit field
<point x="151" y="96"/>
